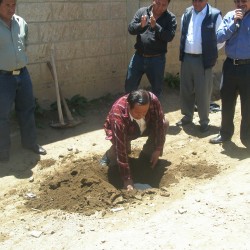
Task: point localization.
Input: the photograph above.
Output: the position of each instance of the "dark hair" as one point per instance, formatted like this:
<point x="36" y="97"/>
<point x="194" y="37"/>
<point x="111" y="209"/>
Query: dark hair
<point x="141" y="97"/>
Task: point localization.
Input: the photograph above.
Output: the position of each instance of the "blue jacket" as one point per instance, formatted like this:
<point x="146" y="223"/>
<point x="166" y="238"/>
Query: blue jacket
<point x="208" y="35"/>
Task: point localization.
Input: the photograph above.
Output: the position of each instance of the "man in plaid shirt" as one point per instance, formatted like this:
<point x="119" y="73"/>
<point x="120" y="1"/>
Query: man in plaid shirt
<point x="136" y="114"/>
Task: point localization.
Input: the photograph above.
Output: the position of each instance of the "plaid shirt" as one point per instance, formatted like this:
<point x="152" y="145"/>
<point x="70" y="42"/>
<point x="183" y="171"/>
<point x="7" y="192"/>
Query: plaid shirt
<point x="120" y="129"/>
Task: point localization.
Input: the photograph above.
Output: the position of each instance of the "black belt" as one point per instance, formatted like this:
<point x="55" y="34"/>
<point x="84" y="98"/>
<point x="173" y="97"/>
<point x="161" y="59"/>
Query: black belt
<point x="148" y="55"/>
<point x="239" y="61"/>
<point x="193" y="55"/>
<point x="15" y="72"/>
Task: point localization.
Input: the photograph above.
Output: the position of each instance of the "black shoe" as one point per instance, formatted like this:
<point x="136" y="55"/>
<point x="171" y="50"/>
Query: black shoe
<point x="218" y="139"/>
<point x="183" y="122"/>
<point x="105" y="160"/>
<point x="37" y="149"/>
<point x="204" y="128"/>
<point x="4" y="156"/>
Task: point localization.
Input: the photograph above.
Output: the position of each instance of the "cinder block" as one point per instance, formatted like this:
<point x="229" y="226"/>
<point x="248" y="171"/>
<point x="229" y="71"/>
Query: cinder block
<point x="117" y="10"/>
<point x="70" y="50"/>
<point x="64" y="11"/>
<point x="33" y="33"/>
<point x="38" y="53"/>
<point x="96" y="11"/>
<point x="92" y="44"/>
<point x="35" y="12"/>
<point x="97" y="47"/>
<point x="118" y="45"/>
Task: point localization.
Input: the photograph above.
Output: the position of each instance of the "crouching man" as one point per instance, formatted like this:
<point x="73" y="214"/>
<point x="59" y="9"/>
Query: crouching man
<point x="136" y="114"/>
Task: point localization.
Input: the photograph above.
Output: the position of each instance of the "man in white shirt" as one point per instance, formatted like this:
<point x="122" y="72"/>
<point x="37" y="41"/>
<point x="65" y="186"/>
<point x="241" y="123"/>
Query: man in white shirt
<point x="198" y="54"/>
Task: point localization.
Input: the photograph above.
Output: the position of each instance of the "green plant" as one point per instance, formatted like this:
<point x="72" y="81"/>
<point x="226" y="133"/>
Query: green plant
<point x="39" y="111"/>
<point x="77" y="105"/>
<point x="173" y="81"/>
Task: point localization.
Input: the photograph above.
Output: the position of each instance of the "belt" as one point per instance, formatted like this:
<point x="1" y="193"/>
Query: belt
<point x="15" y="72"/>
<point x="193" y="55"/>
<point x="239" y="61"/>
<point x="147" y="55"/>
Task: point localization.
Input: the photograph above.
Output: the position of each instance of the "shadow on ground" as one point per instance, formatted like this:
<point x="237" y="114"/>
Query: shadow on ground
<point x="93" y="119"/>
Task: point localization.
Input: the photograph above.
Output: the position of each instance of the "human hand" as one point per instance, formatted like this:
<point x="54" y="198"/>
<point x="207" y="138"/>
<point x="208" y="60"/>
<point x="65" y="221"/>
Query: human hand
<point x="238" y="14"/>
<point x="155" y="157"/>
<point x="152" y="21"/>
<point x="143" y="21"/>
<point x="128" y="184"/>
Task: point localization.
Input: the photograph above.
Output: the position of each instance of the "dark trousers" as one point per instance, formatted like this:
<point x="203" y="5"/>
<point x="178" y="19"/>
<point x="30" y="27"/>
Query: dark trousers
<point x="148" y="148"/>
<point x="17" y="90"/>
<point x="153" y="67"/>
<point x="236" y="81"/>
<point x="195" y="87"/>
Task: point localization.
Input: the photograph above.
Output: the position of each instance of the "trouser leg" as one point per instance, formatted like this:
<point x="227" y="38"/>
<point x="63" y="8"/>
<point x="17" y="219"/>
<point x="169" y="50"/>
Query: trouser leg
<point x="203" y="82"/>
<point x="134" y="73"/>
<point x="7" y="96"/>
<point x="187" y="95"/>
<point x="25" y="106"/>
<point x="150" y="145"/>
<point x="228" y="92"/>
<point x="244" y="91"/>
<point x="155" y="68"/>
<point x="112" y="156"/>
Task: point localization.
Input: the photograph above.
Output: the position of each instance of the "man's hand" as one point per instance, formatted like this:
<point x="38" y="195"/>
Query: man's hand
<point x="128" y="184"/>
<point x="152" y="21"/>
<point x="155" y="157"/>
<point x="238" y="15"/>
<point x="143" y="21"/>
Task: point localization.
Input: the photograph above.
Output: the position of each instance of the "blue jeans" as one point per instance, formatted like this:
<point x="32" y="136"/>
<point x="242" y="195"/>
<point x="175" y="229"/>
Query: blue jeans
<point x="153" y="67"/>
<point x="17" y="90"/>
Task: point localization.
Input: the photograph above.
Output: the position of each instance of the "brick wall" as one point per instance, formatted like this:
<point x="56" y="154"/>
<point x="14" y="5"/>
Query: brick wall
<point x="92" y="45"/>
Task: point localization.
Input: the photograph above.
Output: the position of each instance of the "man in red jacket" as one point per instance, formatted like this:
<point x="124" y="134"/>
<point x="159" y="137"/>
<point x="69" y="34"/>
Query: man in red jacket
<point x="136" y="114"/>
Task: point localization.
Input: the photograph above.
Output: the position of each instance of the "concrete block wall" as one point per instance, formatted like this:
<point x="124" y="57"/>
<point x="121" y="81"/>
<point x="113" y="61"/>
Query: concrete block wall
<point x="92" y="45"/>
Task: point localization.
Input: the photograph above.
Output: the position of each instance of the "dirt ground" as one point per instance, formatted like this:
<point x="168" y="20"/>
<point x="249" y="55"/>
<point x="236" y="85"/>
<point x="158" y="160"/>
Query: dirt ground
<point x="200" y="195"/>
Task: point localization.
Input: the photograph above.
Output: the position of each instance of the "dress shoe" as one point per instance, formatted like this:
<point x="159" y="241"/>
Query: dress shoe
<point x="218" y="139"/>
<point x="4" y="156"/>
<point x="183" y="122"/>
<point x="37" y="149"/>
<point x="204" y="128"/>
<point x="105" y="160"/>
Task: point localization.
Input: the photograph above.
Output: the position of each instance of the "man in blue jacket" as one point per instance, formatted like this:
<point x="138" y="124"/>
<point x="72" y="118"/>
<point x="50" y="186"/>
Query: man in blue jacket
<point x="198" y="54"/>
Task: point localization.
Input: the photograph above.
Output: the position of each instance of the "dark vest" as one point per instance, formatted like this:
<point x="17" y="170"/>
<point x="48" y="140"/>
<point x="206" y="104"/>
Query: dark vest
<point x="208" y="35"/>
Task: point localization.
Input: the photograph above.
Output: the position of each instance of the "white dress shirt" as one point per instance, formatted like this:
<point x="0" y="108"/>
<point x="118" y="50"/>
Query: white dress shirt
<point x="141" y="123"/>
<point x="193" y="43"/>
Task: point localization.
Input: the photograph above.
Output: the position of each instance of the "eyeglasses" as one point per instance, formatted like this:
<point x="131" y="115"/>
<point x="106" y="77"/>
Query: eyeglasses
<point x="240" y="1"/>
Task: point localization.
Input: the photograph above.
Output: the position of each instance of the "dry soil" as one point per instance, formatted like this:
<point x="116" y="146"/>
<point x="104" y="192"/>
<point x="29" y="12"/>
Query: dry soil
<point x="200" y="195"/>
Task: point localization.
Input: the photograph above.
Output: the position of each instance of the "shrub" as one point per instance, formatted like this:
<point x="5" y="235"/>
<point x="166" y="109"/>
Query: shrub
<point x="173" y="81"/>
